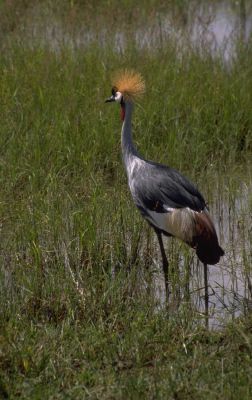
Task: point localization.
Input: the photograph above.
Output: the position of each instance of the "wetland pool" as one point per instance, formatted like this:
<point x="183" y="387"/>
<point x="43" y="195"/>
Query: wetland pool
<point x="230" y="281"/>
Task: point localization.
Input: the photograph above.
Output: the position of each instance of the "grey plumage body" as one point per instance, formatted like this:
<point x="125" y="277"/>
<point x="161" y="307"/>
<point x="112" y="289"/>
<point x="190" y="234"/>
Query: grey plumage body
<point x="171" y="204"/>
<point x="157" y="190"/>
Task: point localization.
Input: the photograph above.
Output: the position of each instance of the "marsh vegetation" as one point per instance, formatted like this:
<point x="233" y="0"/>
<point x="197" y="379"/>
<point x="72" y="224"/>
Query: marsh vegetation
<point x="82" y="298"/>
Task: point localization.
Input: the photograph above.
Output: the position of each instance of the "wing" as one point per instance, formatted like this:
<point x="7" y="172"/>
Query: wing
<point x="156" y="187"/>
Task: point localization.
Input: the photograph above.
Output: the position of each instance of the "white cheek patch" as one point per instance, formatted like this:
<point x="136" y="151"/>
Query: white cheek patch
<point x="118" y="97"/>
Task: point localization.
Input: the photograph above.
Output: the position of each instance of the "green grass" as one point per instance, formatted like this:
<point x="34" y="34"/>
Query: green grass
<point x="79" y="313"/>
<point x="110" y="343"/>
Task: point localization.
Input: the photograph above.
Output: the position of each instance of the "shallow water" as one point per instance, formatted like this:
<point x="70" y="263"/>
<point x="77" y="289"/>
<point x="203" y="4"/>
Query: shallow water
<point x="230" y="281"/>
<point x="208" y="26"/>
<point x="213" y="26"/>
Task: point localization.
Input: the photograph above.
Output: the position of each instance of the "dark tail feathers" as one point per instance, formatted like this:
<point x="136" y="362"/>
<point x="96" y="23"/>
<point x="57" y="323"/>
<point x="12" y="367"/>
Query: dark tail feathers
<point x="206" y="241"/>
<point x="209" y="253"/>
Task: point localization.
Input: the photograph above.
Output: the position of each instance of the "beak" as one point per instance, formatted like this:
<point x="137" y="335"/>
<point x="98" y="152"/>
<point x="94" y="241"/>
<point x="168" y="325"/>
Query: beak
<point x="110" y="99"/>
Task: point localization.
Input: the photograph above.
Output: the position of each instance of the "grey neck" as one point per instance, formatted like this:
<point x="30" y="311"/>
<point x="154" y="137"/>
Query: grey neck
<point x="128" y="148"/>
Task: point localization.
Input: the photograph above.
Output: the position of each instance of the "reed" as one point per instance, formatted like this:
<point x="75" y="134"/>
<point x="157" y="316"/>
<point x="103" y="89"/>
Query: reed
<point x="82" y="312"/>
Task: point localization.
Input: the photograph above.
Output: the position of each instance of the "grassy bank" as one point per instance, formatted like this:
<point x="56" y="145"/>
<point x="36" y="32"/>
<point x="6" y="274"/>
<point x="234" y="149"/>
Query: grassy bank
<point x="115" y="347"/>
<point x="79" y="312"/>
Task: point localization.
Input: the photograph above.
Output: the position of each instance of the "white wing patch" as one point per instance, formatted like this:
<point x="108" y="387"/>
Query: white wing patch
<point x="177" y="222"/>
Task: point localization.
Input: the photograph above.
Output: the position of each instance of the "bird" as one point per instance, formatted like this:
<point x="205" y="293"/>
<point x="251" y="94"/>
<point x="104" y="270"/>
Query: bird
<point x="169" y="201"/>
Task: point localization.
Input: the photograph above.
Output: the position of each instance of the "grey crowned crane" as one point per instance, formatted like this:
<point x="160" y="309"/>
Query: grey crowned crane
<point x="170" y="203"/>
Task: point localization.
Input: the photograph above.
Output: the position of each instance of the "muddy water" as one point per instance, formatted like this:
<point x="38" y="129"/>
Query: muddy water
<point x="206" y="26"/>
<point x="230" y="281"/>
<point x="212" y="25"/>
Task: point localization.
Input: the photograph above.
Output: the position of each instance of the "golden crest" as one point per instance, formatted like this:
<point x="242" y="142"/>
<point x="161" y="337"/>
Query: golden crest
<point x="129" y="83"/>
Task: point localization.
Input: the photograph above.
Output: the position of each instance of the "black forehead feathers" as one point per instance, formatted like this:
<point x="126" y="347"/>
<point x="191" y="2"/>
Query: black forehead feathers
<point x="114" y="90"/>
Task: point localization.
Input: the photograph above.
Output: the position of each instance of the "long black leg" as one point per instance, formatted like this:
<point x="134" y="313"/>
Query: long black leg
<point x="165" y="263"/>
<point x="206" y="295"/>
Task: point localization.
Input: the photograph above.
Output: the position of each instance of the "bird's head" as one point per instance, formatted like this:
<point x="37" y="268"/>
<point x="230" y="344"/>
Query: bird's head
<point x="128" y="85"/>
